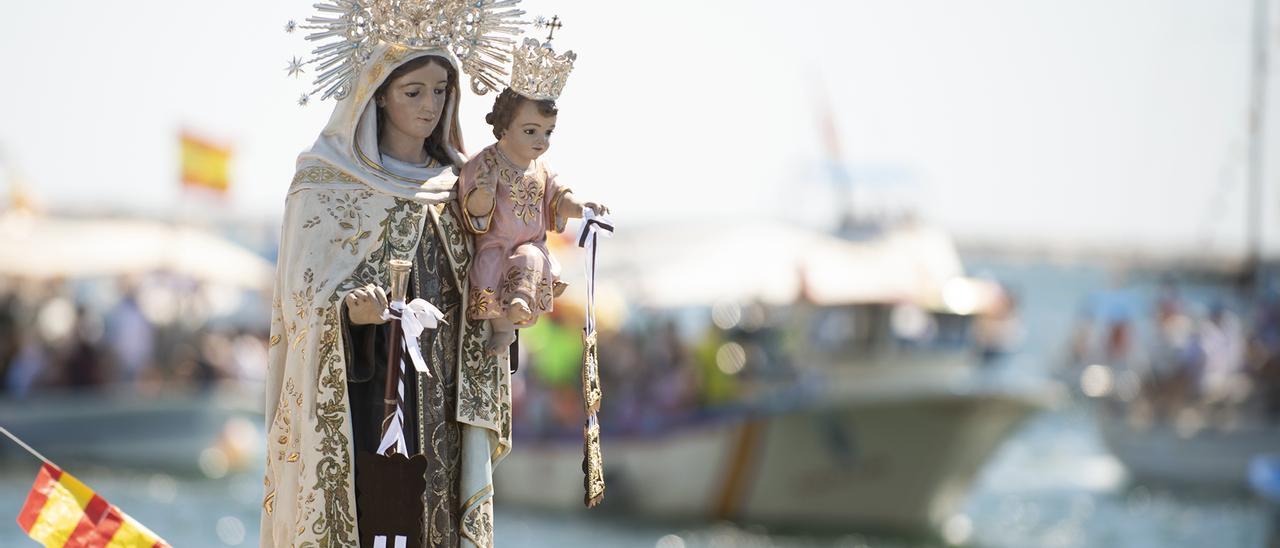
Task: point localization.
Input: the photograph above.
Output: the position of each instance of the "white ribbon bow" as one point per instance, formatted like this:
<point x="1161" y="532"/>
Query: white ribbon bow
<point x="421" y="316"/>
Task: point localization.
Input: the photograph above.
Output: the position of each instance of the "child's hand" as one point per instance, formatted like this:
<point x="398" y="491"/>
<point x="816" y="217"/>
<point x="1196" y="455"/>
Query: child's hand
<point x="480" y="202"/>
<point x="599" y="208"/>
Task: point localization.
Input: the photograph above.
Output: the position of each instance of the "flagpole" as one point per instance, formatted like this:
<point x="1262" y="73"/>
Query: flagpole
<point x="24" y="445"/>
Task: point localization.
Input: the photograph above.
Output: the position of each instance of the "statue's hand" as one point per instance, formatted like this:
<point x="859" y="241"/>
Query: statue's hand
<point x="365" y="305"/>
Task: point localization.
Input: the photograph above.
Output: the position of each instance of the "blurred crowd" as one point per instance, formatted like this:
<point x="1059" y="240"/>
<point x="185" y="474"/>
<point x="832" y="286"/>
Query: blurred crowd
<point x="1214" y="362"/>
<point x="667" y="368"/>
<point x="151" y="333"/>
<point x="660" y="370"/>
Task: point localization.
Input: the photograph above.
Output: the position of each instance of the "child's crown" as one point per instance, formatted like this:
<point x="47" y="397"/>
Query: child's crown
<point x="538" y="73"/>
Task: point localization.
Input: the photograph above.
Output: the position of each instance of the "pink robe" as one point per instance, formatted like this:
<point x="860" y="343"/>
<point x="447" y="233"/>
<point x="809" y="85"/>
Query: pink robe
<point x="511" y="241"/>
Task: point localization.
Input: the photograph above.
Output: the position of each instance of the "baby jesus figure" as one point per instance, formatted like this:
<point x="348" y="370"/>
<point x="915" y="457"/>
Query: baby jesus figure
<point x="511" y="200"/>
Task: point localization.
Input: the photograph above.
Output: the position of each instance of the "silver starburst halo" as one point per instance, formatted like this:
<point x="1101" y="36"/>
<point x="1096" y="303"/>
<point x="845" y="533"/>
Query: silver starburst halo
<point x="538" y="73"/>
<point x="479" y="32"/>
<point x="295" y="67"/>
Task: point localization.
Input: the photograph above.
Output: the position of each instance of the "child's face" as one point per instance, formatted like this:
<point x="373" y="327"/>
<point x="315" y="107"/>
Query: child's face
<point x="530" y="133"/>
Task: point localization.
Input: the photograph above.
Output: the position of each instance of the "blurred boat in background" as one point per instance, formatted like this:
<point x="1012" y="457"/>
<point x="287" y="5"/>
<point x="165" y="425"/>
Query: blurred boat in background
<point x="1182" y="376"/>
<point x="1185" y="388"/>
<point x="131" y="343"/>
<point x="1183" y="368"/>
<point x="209" y="432"/>
<point x="36" y="246"/>
<point x="899" y="452"/>
<point x="860" y="397"/>
<point x="1207" y="460"/>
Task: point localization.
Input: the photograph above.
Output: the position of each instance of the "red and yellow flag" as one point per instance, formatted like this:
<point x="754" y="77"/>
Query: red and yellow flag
<point x="204" y="164"/>
<point x="61" y="512"/>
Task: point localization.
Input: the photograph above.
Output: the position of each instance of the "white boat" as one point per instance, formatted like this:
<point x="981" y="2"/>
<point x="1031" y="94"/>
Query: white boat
<point x="881" y="432"/>
<point x="1194" y="454"/>
<point x="885" y="448"/>
<point x="211" y="432"/>
<point x="1210" y="459"/>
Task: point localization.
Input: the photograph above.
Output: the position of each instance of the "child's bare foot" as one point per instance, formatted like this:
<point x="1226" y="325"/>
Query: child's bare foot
<point x="518" y="311"/>
<point x="503" y="334"/>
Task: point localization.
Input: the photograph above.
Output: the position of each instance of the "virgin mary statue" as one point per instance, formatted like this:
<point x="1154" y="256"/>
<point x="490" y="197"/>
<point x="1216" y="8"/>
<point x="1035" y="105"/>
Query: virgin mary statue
<point x="352" y="207"/>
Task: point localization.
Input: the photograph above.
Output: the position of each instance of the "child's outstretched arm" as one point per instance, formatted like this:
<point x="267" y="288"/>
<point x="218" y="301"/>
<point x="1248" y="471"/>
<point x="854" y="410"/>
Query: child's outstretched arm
<point x="570" y="206"/>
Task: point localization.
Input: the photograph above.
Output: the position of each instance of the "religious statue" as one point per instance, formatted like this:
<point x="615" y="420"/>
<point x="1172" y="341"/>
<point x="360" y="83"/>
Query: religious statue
<point x="379" y="185"/>
<point x="511" y="199"/>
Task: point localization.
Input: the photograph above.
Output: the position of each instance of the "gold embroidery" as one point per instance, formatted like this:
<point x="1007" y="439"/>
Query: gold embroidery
<point x="486" y="491"/>
<point x="303" y="298"/>
<point x="593" y="465"/>
<point x="544" y="296"/>
<point x="337" y="522"/>
<point x="302" y="301"/>
<point x="526" y="197"/>
<point x="483" y="386"/>
<point x="282" y="422"/>
<point x="401" y="228"/>
<point x="269" y="503"/>
<point x="319" y="175"/>
<point x="447" y="227"/>
<point x="518" y="281"/>
<point x="591" y="394"/>
<point x="350" y="217"/>
<point x="477" y="396"/>
<point x="335" y="525"/>
<point x="478" y="524"/>
<point x="555" y="221"/>
<point x="481" y="300"/>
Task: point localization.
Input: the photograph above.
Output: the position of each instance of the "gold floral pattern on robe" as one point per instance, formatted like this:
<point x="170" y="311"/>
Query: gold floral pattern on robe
<point x="481" y="301"/>
<point x="526" y="197"/>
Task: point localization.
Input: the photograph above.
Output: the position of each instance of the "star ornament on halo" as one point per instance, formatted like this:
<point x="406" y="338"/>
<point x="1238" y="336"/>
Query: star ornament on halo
<point x="303" y="100"/>
<point x="295" y="67"/>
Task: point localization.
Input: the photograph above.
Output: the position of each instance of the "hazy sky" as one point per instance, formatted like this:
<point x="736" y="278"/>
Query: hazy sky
<point x="1078" y="121"/>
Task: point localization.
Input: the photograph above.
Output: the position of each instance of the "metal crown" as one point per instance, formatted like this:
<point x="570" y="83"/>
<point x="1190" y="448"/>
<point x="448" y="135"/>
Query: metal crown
<point x="538" y="73"/>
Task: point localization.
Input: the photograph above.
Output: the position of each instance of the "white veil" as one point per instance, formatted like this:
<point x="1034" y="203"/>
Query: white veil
<point x="349" y="141"/>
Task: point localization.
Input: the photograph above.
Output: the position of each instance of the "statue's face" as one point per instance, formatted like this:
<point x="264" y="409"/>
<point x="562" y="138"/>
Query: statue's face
<point x="414" y="102"/>
<point x="530" y="133"/>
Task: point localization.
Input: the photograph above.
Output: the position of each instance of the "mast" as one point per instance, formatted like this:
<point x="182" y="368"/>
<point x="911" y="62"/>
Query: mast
<point x="836" y="169"/>
<point x="1257" y="135"/>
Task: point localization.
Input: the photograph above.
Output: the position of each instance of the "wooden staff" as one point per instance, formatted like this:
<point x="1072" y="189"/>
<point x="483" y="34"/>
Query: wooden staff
<point x="399" y="282"/>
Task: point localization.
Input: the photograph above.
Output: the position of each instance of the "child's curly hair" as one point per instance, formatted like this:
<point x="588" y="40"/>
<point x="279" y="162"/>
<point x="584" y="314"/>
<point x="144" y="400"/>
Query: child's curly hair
<point x="506" y="105"/>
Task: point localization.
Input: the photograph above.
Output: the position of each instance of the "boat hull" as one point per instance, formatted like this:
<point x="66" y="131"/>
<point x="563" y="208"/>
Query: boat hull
<point x="210" y="432"/>
<point x="1211" y="460"/>
<point x="900" y="463"/>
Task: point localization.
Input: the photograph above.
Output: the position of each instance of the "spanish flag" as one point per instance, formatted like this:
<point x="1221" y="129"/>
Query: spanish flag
<point x="64" y="513"/>
<point x="204" y="164"/>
